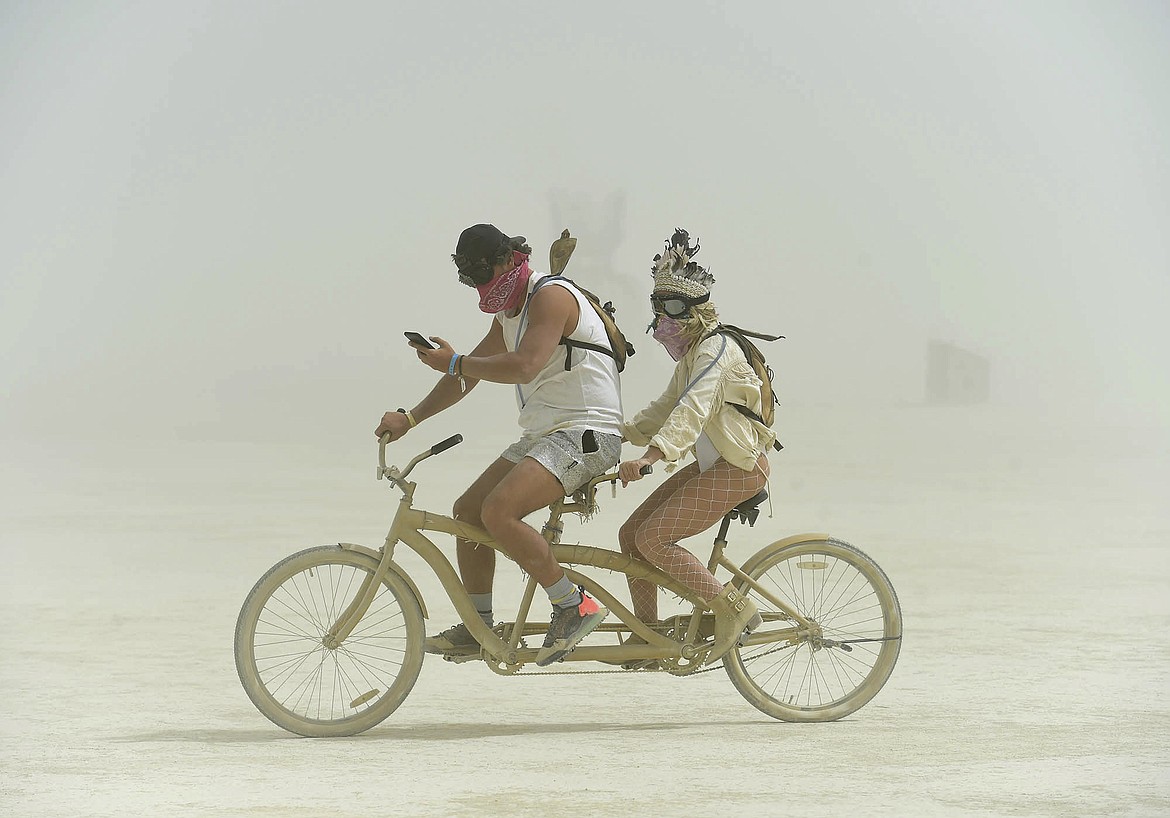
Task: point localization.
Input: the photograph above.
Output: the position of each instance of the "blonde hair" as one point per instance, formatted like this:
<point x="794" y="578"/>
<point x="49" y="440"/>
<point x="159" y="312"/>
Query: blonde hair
<point x="703" y="318"/>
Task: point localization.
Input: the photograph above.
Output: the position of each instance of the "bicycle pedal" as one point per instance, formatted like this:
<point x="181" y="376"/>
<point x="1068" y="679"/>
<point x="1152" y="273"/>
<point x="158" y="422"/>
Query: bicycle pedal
<point x="459" y="658"/>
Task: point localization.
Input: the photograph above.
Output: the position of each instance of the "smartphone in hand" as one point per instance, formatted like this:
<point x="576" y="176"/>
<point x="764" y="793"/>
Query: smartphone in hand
<point x="417" y="338"/>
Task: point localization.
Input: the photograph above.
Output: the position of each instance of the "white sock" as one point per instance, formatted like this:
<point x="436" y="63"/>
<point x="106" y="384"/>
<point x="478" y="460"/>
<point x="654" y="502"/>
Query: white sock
<point x="563" y="593"/>
<point x="483" y="606"/>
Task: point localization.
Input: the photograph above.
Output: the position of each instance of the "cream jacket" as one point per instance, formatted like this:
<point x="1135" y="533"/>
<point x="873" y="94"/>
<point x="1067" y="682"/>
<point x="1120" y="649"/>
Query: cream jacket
<point x="713" y="374"/>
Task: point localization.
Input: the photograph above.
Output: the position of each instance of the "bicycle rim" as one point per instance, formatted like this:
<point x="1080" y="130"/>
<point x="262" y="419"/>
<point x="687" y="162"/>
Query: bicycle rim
<point x="850" y="597"/>
<point x="310" y="689"/>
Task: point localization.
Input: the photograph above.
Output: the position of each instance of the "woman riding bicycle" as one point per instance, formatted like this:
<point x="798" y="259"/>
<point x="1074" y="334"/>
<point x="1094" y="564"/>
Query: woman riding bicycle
<point x="697" y="413"/>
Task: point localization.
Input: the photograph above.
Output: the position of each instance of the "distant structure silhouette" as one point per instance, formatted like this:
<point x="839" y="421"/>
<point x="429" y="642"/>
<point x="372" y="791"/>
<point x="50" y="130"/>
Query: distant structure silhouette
<point x="599" y="225"/>
<point x="956" y="376"/>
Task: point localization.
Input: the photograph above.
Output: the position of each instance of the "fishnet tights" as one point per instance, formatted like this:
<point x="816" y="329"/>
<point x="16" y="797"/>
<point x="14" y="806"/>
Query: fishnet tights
<point x="687" y="503"/>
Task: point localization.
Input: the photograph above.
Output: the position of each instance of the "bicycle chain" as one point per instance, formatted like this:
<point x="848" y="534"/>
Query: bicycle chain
<point x="692" y="673"/>
<point x="597" y="672"/>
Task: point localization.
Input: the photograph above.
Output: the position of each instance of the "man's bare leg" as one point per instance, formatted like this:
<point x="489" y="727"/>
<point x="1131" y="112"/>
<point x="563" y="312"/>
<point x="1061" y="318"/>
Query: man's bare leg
<point x="477" y="563"/>
<point x="518" y="491"/>
<point x="523" y="490"/>
<point x="527" y="487"/>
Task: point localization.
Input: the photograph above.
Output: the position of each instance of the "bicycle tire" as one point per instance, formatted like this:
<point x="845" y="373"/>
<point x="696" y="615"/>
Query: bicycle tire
<point x="852" y="599"/>
<point x="298" y="683"/>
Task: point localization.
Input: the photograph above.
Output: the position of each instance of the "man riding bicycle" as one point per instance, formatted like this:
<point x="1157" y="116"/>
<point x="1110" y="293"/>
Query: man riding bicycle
<point x="570" y="415"/>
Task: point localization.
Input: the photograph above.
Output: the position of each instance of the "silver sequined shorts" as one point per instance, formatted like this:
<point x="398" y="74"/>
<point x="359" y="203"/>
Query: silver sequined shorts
<point x="561" y="452"/>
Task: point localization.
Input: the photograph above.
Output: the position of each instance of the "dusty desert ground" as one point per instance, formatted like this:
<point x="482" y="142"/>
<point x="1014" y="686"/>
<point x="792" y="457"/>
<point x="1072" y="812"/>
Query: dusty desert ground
<point x="1030" y="555"/>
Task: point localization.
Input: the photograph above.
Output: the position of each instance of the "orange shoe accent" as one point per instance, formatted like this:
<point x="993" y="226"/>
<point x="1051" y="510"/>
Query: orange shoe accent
<point x="588" y="605"/>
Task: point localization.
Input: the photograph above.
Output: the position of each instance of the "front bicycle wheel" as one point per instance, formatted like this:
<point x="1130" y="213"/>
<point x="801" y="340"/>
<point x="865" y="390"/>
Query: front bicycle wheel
<point x="823" y="679"/>
<point x="298" y="682"/>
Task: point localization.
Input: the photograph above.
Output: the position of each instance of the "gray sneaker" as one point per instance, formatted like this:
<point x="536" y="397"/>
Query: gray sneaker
<point x="568" y="627"/>
<point x="455" y="641"/>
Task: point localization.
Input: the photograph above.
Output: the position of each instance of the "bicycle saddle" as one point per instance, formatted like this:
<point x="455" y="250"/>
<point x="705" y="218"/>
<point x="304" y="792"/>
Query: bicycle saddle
<point x="748" y="510"/>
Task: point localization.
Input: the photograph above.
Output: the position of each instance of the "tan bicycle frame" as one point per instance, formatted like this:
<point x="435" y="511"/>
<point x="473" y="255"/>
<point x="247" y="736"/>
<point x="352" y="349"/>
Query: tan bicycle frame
<point x="409" y="523"/>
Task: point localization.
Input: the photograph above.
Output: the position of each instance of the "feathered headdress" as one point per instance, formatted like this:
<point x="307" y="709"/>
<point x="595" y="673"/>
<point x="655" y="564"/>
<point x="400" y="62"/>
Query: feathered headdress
<point x="675" y="271"/>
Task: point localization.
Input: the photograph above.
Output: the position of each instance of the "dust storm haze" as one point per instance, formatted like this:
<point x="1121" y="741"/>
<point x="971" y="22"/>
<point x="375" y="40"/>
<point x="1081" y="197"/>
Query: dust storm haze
<point x="217" y="219"/>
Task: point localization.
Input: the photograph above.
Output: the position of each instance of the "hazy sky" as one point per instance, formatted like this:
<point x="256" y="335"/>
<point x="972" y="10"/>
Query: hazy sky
<point x="220" y="215"/>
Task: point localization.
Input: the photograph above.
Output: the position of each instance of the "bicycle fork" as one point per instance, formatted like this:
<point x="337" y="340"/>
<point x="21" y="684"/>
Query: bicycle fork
<point x="357" y="608"/>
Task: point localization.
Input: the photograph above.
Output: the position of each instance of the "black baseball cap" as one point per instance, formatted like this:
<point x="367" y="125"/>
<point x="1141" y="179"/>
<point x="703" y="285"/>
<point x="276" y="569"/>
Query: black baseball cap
<point x="483" y="242"/>
<point x="478" y="248"/>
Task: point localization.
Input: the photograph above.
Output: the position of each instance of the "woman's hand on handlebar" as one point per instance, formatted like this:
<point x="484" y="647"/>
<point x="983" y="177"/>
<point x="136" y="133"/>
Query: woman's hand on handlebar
<point x="396" y="424"/>
<point x="632" y="470"/>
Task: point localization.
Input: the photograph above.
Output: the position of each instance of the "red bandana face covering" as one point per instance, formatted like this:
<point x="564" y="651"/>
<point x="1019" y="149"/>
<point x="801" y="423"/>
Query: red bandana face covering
<point x="506" y="292"/>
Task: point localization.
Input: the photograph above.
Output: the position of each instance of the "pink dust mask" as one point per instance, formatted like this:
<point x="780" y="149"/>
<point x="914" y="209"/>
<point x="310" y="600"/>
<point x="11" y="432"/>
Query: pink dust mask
<point x="668" y="332"/>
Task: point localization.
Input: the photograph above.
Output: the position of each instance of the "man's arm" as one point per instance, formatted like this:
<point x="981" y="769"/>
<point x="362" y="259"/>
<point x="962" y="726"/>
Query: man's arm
<point x="447" y="392"/>
<point x="552" y="314"/>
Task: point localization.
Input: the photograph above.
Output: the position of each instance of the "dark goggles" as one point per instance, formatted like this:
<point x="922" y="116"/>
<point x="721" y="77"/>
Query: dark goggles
<point x="675" y="306"/>
<point x="474" y="273"/>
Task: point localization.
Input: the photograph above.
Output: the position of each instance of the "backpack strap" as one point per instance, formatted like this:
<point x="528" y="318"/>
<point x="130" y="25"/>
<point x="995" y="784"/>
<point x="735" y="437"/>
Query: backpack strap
<point x="748" y="413"/>
<point x="570" y="345"/>
<point x="762" y="336"/>
<point x="735" y="332"/>
<point x="568" y="342"/>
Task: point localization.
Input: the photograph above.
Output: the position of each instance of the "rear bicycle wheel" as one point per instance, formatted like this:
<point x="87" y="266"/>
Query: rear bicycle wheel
<point x="850" y="597"/>
<point x="298" y="682"/>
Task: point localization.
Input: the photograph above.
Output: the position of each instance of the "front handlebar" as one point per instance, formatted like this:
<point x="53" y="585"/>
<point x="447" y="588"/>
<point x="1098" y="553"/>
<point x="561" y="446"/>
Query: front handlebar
<point x="453" y="440"/>
<point x="392" y="474"/>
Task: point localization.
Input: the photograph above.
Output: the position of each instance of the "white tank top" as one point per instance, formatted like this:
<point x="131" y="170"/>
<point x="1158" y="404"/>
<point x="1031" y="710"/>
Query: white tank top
<point x="587" y="395"/>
